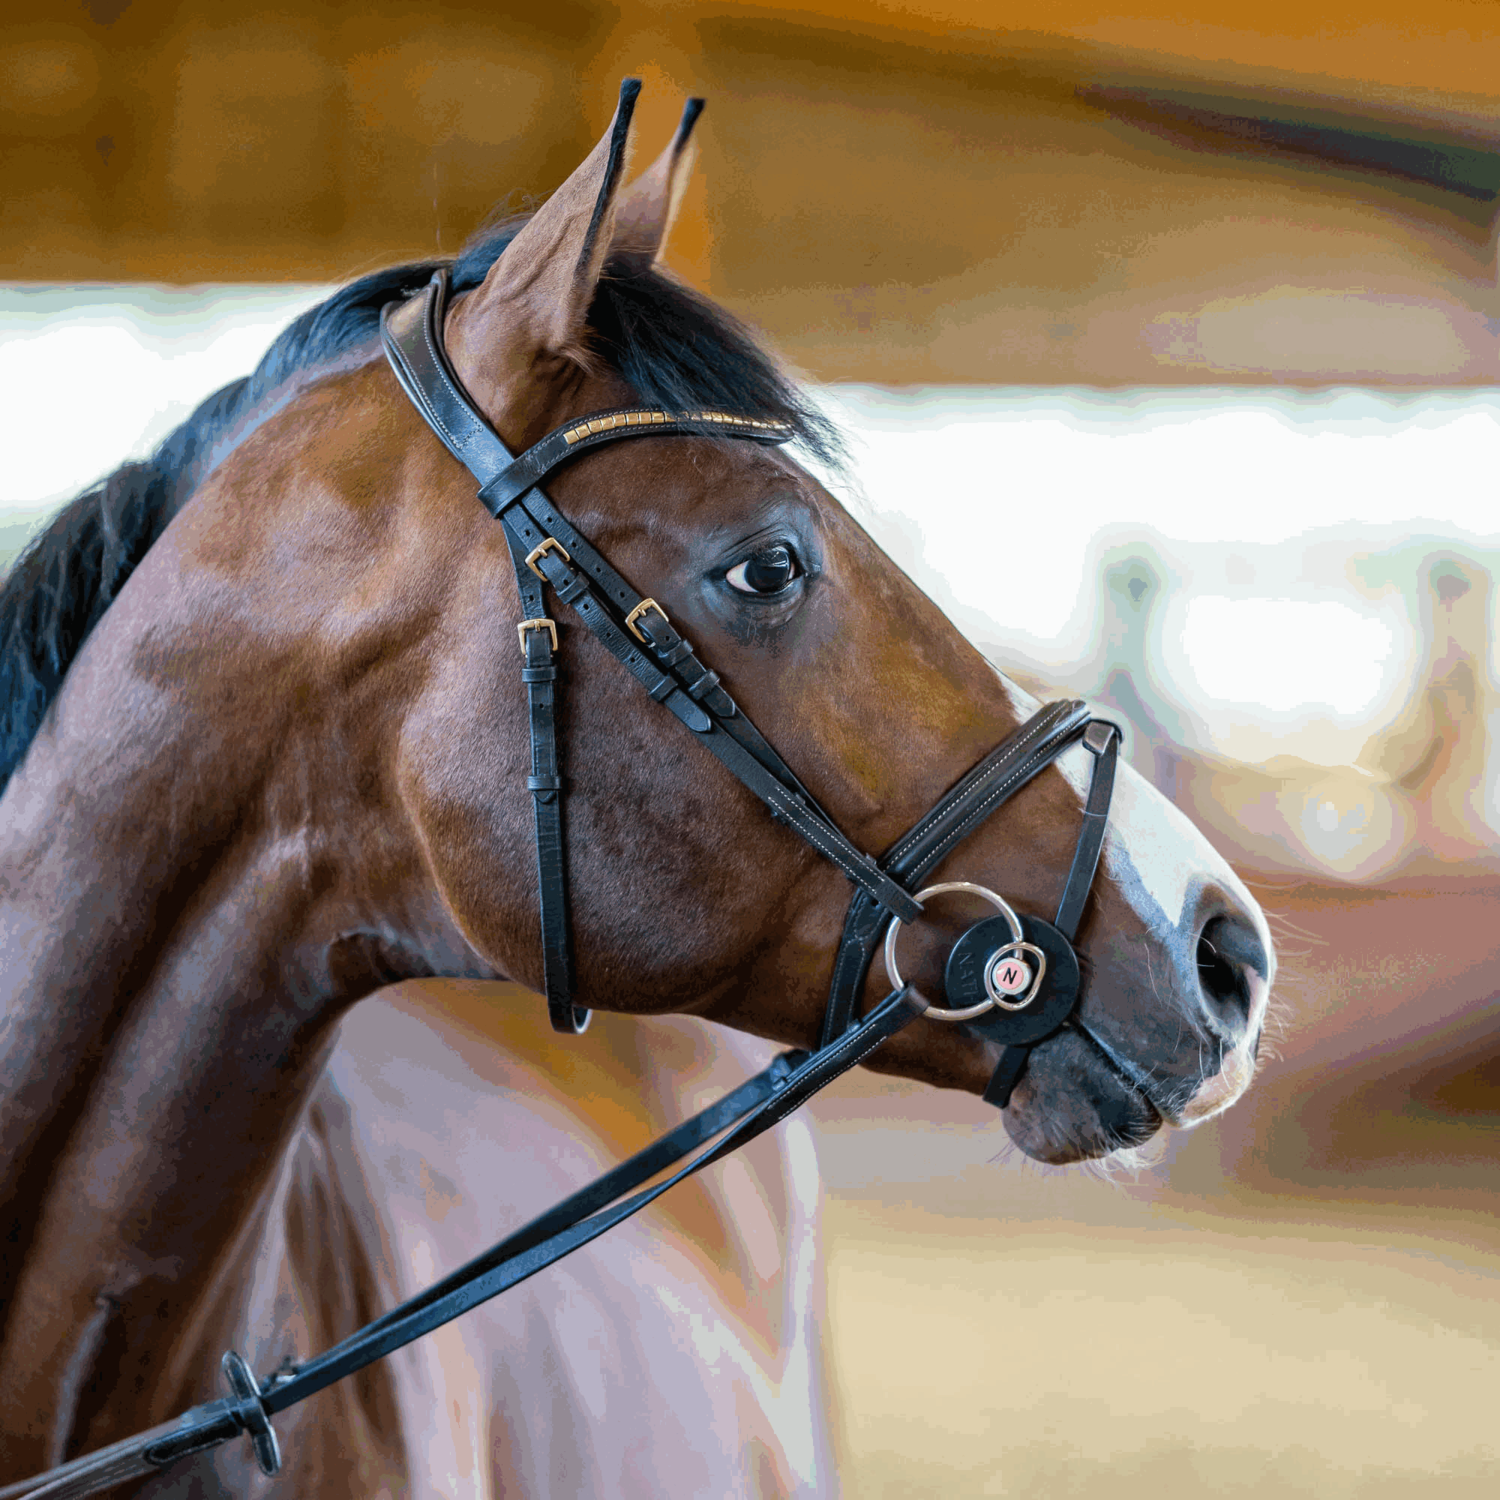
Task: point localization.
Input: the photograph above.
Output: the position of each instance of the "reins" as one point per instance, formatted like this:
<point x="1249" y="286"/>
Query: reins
<point x="1011" y="978"/>
<point x="743" y="1114"/>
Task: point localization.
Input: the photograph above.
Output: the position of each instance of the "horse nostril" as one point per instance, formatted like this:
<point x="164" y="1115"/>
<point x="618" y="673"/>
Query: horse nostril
<point x="1228" y="950"/>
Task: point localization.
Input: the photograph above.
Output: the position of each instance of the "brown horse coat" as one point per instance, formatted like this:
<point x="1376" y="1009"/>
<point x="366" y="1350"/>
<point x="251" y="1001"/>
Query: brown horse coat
<point x="278" y="776"/>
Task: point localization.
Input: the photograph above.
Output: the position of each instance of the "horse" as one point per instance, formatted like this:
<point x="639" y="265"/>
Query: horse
<point x="266" y="755"/>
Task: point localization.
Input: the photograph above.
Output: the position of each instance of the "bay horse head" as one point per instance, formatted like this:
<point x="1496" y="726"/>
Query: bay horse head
<point x="267" y="751"/>
<point x="865" y="689"/>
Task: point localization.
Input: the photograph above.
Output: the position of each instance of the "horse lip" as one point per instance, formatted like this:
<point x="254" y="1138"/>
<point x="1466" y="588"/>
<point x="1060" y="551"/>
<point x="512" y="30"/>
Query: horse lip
<point x="1110" y="1109"/>
<point x="1128" y="1072"/>
<point x="1214" y="1095"/>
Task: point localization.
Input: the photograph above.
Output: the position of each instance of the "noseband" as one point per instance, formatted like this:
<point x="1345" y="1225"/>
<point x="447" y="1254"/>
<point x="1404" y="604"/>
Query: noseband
<point x="1011" y="978"/>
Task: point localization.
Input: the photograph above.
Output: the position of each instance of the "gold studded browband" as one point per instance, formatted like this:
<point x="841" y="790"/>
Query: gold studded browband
<point x="650" y="416"/>
<point x="565" y="443"/>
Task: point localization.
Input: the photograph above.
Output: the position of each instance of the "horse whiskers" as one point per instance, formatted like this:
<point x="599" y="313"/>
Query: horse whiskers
<point x="1125" y="1161"/>
<point x="1274" y="1029"/>
<point x="1174" y="1097"/>
<point x="1161" y="999"/>
<point x="1129" y="1161"/>
<point x="1281" y="926"/>
<point x="1151" y="972"/>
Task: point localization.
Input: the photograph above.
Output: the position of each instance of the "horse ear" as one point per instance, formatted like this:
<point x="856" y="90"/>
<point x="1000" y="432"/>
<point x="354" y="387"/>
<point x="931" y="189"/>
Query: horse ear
<point x="649" y="205"/>
<point x="535" y="299"/>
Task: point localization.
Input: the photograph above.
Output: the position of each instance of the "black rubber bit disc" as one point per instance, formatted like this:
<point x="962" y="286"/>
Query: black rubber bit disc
<point x="963" y="981"/>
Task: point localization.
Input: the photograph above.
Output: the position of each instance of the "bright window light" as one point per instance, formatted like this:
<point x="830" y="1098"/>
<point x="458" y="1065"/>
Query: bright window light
<point x="1283" y="655"/>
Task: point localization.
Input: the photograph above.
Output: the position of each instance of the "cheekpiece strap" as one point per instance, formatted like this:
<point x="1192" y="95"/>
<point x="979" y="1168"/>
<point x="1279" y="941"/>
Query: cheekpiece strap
<point x="1102" y="740"/>
<point x="412" y="335"/>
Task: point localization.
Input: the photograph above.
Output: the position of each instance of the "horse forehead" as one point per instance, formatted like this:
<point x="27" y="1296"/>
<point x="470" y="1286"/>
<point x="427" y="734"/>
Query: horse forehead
<point x="743" y="472"/>
<point x="669" y="482"/>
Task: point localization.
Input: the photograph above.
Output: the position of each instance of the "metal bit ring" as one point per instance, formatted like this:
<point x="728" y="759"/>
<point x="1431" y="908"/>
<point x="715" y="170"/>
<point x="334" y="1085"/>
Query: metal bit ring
<point x="941" y="1012"/>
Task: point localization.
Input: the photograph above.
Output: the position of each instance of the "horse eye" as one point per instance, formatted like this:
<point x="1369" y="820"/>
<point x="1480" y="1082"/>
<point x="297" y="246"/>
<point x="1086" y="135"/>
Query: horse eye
<point x="769" y="571"/>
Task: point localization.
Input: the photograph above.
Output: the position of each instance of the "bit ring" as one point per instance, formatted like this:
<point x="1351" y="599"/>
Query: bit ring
<point x="968" y="1012"/>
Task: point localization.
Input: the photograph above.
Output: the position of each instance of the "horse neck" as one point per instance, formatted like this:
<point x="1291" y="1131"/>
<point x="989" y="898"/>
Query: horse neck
<point x="185" y="912"/>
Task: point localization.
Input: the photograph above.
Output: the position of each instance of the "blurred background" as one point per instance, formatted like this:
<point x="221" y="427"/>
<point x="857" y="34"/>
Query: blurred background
<point x="1167" y="337"/>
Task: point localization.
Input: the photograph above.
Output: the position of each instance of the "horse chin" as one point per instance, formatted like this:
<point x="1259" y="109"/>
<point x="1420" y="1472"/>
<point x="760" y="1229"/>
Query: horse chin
<point x="1071" y="1106"/>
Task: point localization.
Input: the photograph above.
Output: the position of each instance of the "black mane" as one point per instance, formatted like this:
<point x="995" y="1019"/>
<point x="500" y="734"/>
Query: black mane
<point x="674" y="347"/>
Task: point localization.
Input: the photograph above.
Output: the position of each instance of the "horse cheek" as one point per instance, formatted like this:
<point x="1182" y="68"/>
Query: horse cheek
<point x="471" y="829"/>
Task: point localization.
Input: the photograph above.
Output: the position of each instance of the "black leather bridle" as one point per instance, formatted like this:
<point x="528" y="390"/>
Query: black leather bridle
<point x="548" y="551"/>
<point x="1011" y="978"/>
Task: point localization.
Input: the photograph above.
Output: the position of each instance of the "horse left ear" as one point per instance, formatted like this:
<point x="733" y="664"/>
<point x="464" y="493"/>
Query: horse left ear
<point x="535" y="300"/>
<point x="648" y="207"/>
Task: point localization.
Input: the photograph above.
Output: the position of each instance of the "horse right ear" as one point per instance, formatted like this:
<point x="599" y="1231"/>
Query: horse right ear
<point x="649" y="205"/>
<point x="535" y="300"/>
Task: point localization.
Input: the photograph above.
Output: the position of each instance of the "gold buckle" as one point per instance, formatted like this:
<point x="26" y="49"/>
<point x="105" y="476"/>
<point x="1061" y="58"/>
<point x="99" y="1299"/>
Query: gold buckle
<point x="539" y="624"/>
<point x="637" y="612"/>
<point x="550" y="545"/>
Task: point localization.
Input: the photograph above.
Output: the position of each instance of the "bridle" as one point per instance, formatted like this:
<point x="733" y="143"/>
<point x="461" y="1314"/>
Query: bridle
<point x="548" y="551"/>
<point x="1011" y="978"/>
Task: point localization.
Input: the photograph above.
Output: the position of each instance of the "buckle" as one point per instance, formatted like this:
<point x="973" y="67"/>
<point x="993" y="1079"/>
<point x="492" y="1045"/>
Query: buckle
<point x="637" y="612"/>
<point x="539" y="624"/>
<point x="550" y="545"/>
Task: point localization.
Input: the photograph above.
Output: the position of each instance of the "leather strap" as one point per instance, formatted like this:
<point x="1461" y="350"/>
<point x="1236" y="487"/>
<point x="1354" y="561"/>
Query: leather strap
<point x="573" y="438"/>
<point x="542" y="539"/>
<point x="536" y="519"/>
<point x="1102" y="740"/>
<point x="420" y="362"/>
<point x="412" y="335"/>
<point x="538" y="642"/>
<point x="978" y="794"/>
<point x="783" y="800"/>
<point x="545" y="545"/>
<point x="752" y="1109"/>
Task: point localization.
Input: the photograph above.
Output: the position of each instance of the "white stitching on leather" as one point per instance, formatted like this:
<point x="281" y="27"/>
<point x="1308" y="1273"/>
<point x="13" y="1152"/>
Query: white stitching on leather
<point x="834" y="853"/>
<point x="852" y="1062"/>
<point x="917" y="833"/>
<point x="794" y="809"/>
<point x="437" y="364"/>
